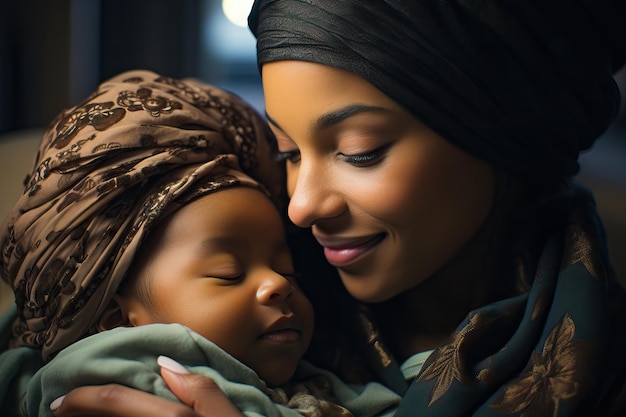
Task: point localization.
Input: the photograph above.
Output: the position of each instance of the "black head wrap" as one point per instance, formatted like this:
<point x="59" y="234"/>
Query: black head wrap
<point x="522" y="84"/>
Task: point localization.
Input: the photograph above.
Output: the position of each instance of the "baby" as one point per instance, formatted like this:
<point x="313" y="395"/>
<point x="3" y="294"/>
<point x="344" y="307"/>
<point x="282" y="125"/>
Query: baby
<point x="149" y="226"/>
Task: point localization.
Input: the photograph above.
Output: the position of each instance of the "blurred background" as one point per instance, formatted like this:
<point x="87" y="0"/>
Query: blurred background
<point x="54" y="53"/>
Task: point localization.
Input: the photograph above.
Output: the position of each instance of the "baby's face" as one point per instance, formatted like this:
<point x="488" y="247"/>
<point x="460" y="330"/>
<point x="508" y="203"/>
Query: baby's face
<point x="221" y="266"/>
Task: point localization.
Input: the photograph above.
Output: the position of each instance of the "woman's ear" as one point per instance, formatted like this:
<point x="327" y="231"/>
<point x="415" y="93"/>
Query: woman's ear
<point x="114" y="315"/>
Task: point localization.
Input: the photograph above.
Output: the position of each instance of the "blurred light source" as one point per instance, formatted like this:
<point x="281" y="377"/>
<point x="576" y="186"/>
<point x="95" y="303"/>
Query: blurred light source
<point x="227" y="55"/>
<point x="225" y="41"/>
<point x="237" y="11"/>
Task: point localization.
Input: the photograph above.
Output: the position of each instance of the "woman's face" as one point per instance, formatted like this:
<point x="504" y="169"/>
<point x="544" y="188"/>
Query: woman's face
<point x="391" y="201"/>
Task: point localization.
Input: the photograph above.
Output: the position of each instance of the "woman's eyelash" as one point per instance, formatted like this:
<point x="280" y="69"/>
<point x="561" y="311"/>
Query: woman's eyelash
<point x="292" y="156"/>
<point x="366" y="158"/>
<point x="357" y="159"/>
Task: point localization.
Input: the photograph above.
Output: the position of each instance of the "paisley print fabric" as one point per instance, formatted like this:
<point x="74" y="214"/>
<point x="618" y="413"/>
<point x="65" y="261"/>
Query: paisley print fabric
<point x="106" y="171"/>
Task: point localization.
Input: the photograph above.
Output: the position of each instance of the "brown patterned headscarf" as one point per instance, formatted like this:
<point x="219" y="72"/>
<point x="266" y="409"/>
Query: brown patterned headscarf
<point x="107" y="170"/>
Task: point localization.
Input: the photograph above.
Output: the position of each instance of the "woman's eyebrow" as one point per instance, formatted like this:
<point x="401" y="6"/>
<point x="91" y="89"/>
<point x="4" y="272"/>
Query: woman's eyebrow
<point x="339" y="115"/>
<point x="336" y="116"/>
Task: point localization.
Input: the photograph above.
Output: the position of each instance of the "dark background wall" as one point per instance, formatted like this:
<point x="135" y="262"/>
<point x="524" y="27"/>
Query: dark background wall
<point x="54" y="53"/>
<point x="33" y="65"/>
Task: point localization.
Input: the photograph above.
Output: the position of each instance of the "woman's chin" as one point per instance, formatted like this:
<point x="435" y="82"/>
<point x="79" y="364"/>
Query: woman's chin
<point x="365" y="292"/>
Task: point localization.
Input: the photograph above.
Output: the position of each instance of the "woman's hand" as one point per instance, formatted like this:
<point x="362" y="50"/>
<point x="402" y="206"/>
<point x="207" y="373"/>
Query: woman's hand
<point x="200" y="395"/>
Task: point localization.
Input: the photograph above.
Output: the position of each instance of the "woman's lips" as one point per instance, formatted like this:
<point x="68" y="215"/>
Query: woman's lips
<point x="344" y="254"/>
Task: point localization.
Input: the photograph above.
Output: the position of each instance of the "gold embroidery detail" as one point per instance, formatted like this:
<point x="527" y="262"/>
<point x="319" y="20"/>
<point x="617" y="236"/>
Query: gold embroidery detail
<point x="311" y="398"/>
<point x="384" y="357"/>
<point x="579" y="247"/>
<point x="553" y="376"/>
<point x="485" y="376"/>
<point x="447" y="365"/>
<point x="373" y="338"/>
<point x="541" y="305"/>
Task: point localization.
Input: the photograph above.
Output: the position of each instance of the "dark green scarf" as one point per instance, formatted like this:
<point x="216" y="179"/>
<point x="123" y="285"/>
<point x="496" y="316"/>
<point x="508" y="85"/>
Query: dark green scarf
<point x="556" y="349"/>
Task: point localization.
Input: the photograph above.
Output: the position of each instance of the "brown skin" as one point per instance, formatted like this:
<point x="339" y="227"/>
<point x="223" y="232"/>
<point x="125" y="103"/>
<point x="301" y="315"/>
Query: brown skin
<point x="440" y="303"/>
<point x="423" y="211"/>
<point x="223" y="255"/>
<point x="201" y="397"/>
<point x="428" y="199"/>
<point x="220" y="265"/>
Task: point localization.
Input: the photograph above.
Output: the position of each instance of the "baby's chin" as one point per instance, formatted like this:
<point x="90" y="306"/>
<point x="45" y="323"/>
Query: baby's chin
<point x="278" y="372"/>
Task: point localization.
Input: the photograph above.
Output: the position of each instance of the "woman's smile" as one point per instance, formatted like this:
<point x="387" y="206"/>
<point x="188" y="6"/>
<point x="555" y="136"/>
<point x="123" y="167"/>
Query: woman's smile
<point x="346" y="252"/>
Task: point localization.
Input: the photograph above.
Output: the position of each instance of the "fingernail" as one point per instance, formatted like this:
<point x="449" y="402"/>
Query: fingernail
<point x="56" y="404"/>
<point x="171" y="365"/>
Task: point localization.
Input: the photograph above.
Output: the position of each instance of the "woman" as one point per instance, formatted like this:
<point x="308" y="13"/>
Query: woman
<point x="430" y="149"/>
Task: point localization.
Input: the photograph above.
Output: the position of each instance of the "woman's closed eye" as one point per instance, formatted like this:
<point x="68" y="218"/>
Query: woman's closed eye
<point x="367" y="158"/>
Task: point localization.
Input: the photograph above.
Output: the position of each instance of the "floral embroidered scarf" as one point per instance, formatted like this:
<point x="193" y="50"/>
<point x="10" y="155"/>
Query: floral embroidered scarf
<point x="555" y="350"/>
<point x="107" y="170"/>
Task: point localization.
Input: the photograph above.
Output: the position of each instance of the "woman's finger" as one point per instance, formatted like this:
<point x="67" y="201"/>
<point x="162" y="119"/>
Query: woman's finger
<point x="202" y="398"/>
<point x="118" y="401"/>
<point x="199" y="392"/>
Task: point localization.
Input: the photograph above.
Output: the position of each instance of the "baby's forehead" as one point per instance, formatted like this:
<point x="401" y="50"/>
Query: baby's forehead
<point x="235" y="205"/>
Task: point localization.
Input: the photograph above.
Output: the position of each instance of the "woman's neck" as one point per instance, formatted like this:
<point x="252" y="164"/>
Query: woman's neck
<point x="424" y="317"/>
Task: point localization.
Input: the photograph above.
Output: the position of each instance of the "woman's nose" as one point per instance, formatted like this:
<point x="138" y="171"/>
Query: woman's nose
<point x="274" y="288"/>
<point x="313" y="197"/>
